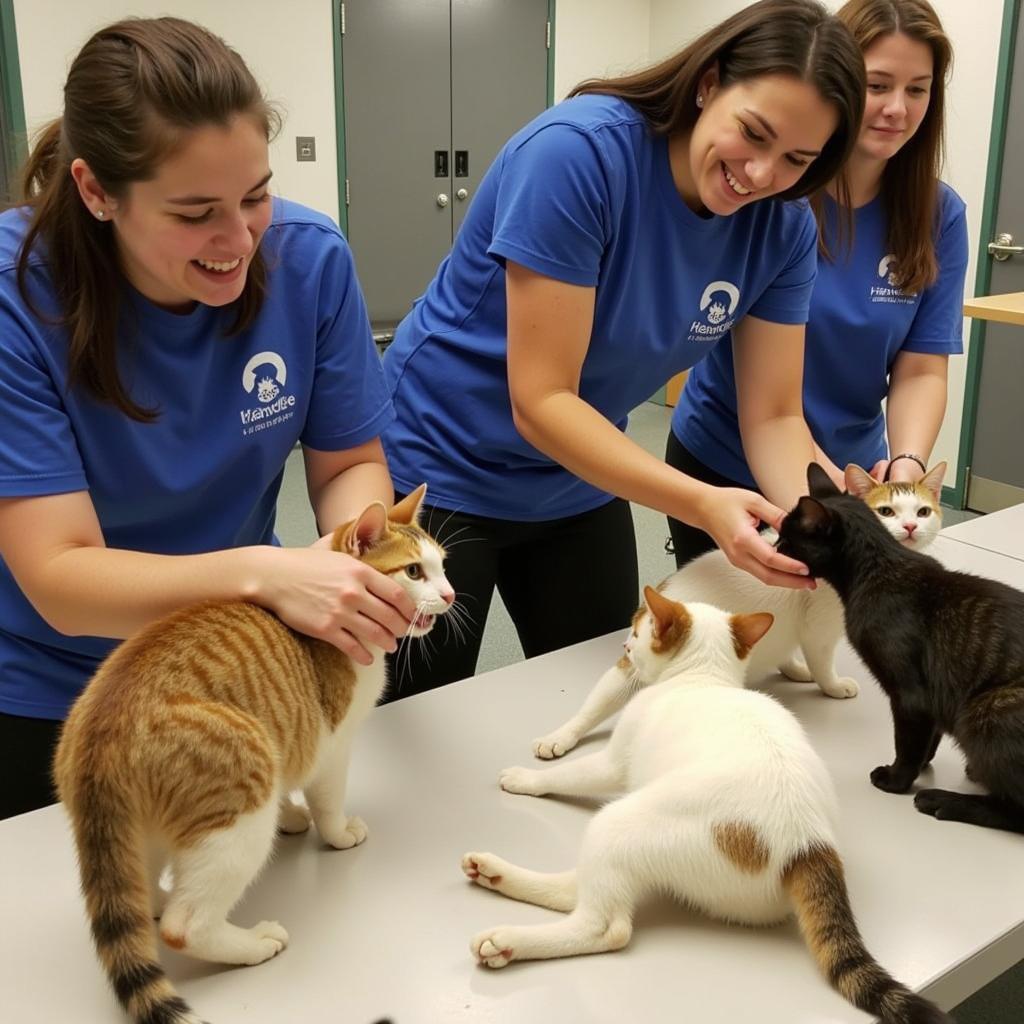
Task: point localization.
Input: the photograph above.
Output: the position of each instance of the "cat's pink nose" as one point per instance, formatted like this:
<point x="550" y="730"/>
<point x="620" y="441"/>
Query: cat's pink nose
<point x="449" y="596"/>
<point x="910" y="528"/>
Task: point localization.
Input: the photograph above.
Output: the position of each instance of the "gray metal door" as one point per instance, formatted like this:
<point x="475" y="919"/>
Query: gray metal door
<point x="432" y="89"/>
<point x="996" y="477"/>
<point x="499" y="83"/>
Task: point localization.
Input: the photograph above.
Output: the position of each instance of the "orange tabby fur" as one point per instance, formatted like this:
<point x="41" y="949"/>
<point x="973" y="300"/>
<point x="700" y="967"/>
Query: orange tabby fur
<point x="194" y="726"/>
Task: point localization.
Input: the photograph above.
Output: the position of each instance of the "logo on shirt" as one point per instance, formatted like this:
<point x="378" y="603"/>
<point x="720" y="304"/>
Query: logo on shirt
<point x="264" y="377"/>
<point x="890" y="291"/>
<point x="718" y="304"/>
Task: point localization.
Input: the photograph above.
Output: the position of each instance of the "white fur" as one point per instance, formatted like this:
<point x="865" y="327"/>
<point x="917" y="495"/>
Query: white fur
<point x="806" y="621"/>
<point x="692" y="751"/>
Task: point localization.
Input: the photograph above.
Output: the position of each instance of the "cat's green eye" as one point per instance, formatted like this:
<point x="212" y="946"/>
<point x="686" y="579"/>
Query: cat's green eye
<point x="885" y="511"/>
<point x="923" y="513"/>
<point x="414" y="571"/>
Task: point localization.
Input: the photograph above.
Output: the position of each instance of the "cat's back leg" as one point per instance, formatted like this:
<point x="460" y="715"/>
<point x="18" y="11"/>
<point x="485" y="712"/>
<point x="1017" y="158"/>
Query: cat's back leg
<point x="209" y="878"/>
<point x="555" y="890"/>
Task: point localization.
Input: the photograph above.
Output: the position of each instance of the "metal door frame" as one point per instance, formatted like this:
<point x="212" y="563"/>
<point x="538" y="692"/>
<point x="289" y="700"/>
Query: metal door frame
<point x="12" y="101"/>
<point x="957" y="496"/>
<point x="339" y="96"/>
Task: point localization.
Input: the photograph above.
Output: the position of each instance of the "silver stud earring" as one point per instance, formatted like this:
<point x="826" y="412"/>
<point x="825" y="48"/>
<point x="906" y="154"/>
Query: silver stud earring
<point x="99" y="214"/>
<point x="700" y="101"/>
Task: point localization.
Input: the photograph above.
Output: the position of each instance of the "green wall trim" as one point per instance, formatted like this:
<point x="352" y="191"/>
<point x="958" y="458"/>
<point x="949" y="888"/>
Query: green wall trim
<point x="551" y="52"/>
<point x="983" y="278"/>
<point x="10" y="87"/>
<point x="339" y="115"/>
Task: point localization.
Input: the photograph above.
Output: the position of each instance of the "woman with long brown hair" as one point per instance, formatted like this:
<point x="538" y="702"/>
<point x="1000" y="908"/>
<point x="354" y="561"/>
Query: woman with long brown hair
<point x="168" y="332"/>
<point x="617" y="239"/>
<point x="887" y="308"/>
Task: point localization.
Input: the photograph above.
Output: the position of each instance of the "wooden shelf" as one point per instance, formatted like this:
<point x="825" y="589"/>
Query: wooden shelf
<point x="1005" y="309"/>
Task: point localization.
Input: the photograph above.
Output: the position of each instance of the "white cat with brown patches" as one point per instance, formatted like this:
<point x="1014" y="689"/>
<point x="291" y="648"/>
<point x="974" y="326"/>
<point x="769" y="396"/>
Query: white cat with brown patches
<point x="727" y="807"/>
<point x="184" y="747"/>
<point x="807" y="622"/>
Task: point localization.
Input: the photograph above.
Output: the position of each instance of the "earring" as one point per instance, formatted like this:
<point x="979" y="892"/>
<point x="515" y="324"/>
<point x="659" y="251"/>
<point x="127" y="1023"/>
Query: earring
<point x="99" y="214"/>
<point x="700" y="101"/>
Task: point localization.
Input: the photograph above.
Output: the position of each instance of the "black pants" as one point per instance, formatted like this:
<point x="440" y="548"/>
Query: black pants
<point x="562" y="581"/>
<point x="26" y="757"/>
<point x="688" y="541"/>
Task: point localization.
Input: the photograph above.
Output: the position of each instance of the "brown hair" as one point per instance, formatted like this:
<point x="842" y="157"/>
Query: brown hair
<point x="773" y="37"/>
<point x="132" y="93"/>
<point x="910" y="182"/>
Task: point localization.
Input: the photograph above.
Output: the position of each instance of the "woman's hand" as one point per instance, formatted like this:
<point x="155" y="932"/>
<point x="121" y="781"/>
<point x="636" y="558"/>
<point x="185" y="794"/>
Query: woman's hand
<point x="730" y="515"/>
<point x="335" y="597"/>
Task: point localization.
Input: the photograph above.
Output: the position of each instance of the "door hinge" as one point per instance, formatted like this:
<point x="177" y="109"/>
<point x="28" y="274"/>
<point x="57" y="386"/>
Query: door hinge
<point x="341" y="16"/>
<point x="547" y="35"/>
<point x="348" y="197"/>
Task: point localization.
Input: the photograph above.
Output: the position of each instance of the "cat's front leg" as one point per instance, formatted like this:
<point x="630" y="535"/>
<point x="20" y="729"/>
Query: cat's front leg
<point x="594" y="775"/>
<point x="914" y="733"/>
<point x="820" y="633"/>
<point x="326" y="796"/>
<point x="609" y="694"/>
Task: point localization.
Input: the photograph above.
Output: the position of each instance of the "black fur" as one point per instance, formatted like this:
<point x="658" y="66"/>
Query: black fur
<point x="947" y="648"/>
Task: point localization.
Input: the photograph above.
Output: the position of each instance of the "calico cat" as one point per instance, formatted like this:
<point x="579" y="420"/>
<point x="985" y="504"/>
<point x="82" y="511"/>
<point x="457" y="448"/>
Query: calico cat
<point x="810" y="621"/>
<point x="184" y="746"/>
<point x="728" y="808"/>
<point x="947" y="648"/>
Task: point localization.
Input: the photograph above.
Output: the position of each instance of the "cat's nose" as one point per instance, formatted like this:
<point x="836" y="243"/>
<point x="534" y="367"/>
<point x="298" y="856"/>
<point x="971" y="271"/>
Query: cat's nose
<point x="448" y="596"/>
<point x="910" y="528"/>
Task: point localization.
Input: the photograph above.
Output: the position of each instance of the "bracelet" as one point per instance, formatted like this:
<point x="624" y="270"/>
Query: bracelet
<point x="906" y="455"/>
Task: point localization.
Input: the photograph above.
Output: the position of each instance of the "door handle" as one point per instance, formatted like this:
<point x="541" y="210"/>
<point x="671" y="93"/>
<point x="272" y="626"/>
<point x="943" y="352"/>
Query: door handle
<point x="1003" y="248"/>
<point x="442" y="200"/>
<point x="463" y="194"/>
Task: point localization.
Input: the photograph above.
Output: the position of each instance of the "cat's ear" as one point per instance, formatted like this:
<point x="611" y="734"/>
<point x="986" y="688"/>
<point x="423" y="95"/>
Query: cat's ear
<point x="811" y="516"/>
<point x="932" y="480"/>
<point x="859" y="482"/>
<point x="664" y="611"/>
<point x="365" y="531"/>
<point x="748" y="629"/>
<point x="819" y="483"/>
<point x="407" y="511"/>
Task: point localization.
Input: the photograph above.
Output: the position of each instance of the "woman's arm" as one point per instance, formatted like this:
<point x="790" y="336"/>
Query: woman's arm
<point x="915" y="408"/>
<point x="769" y="361"/>
<point x="549" y="326"/>
<point x="55" y="549"/>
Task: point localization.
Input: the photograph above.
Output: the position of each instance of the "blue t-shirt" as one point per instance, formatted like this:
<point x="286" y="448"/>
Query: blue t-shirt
<point x="583" y="194"/>
<point x="859" y="324"/>
<point x="205" y="476"/>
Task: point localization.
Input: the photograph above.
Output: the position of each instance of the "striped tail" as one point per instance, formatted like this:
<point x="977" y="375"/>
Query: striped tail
<point x="115" y="884"/>
<point x="815" y="884"/>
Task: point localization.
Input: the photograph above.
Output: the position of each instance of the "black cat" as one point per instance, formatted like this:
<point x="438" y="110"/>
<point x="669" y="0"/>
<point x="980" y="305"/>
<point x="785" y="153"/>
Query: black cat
<point x="947" y="648"/>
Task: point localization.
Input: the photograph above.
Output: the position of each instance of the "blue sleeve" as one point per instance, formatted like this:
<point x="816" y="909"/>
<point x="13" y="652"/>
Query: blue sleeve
<point x="938" y="325"/>
<point x="349" y="404"/>
<point x="552" y="206"/>
<point x="787" y="300"/>
<point x="38" y="451"/>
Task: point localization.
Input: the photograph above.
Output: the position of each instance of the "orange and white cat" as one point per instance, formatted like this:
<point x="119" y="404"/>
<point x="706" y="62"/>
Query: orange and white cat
<point x="183" y="750"/>
<point x="807" y="621"/>
<point x="726" y="807"/>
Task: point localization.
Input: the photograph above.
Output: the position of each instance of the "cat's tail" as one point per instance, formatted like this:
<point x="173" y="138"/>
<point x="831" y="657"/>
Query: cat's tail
<point x="815" y="884"/>
<point x="116" y="887"/>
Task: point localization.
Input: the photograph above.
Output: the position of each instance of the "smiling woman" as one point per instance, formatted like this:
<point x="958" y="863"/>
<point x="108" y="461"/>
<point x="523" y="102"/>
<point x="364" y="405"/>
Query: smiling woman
<point x="617" y="239"/>
<point x="157" y="370"/>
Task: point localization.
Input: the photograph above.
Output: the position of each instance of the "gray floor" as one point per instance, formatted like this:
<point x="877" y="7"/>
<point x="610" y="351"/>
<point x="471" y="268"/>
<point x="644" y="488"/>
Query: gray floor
<point x="1001" y="1002"/>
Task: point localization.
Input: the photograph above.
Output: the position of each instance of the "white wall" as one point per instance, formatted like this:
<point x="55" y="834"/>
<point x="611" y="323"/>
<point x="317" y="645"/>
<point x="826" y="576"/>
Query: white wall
<point x="974" y="29"/>
<point x="293" y="58"/>
<point x="288" y="47"/>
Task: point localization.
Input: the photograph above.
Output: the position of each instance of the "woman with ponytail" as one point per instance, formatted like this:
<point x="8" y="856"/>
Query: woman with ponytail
<point x="168" y="332"/>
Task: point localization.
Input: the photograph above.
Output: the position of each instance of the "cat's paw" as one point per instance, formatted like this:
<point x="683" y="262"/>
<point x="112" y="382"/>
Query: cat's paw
<point x="797" y="670"/>
<point x="492" y="949"/>
<point x="841" y="688"/>
<point x="342" y="833"/>
<point x="886" y="777"/>
<point x="555" y="744"/>
<point x="293" y="818"/>
<point x="269" y="939"/>
<point x="522" y="780"/>
<point x="483" y="868"/>
<point x="932" y="801"/>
